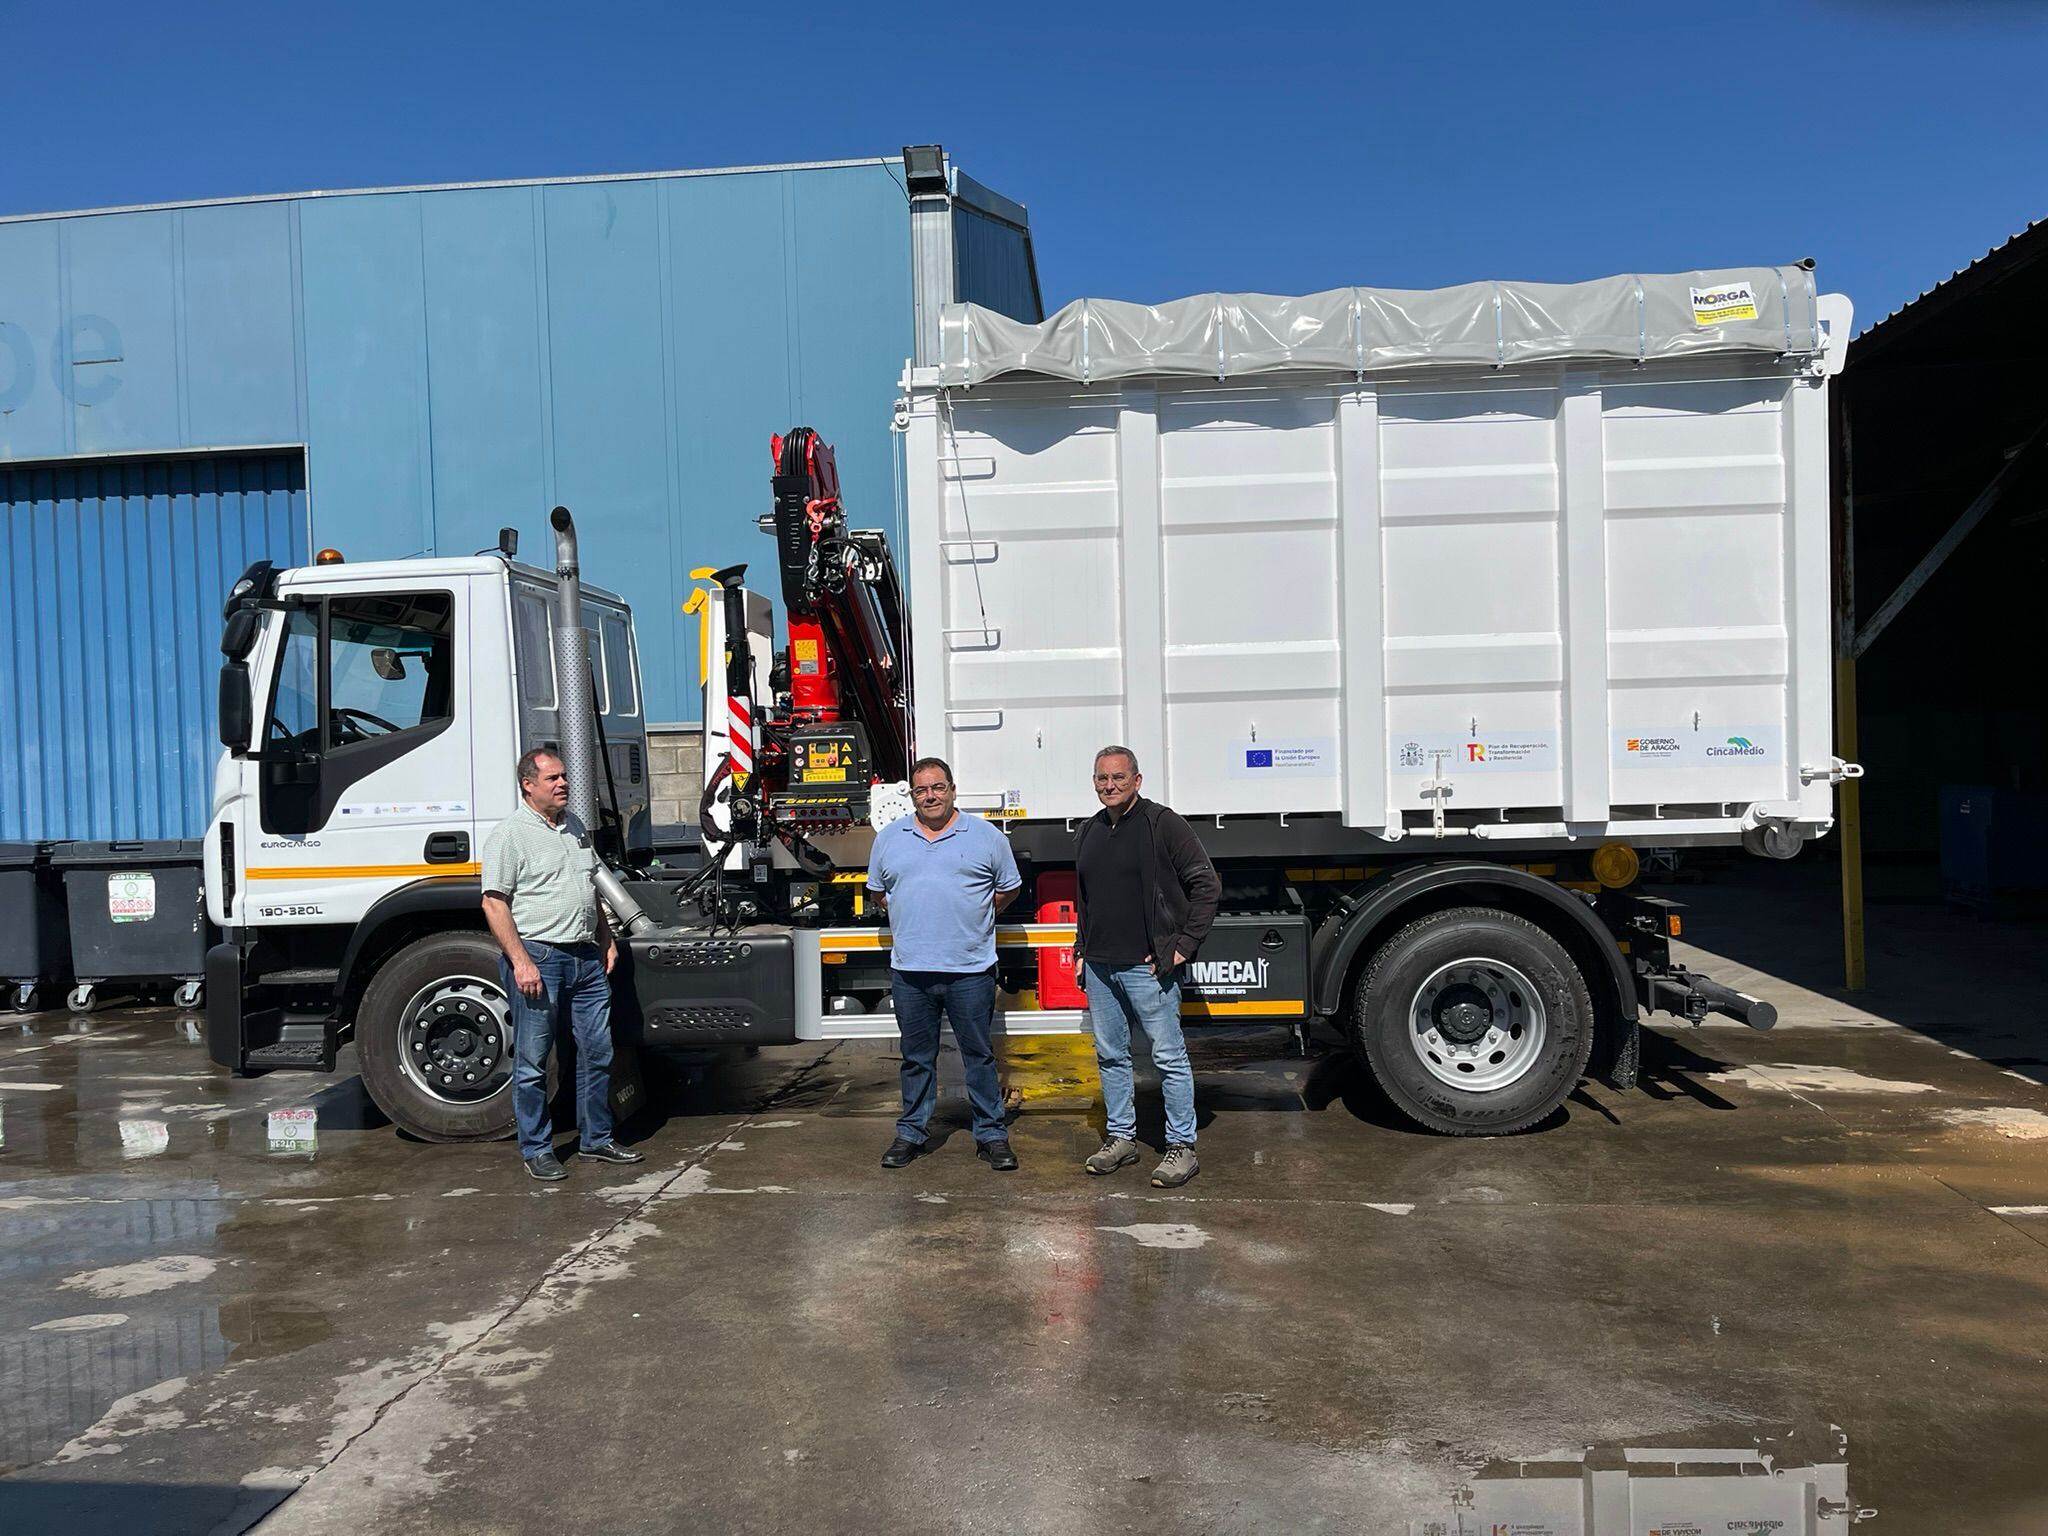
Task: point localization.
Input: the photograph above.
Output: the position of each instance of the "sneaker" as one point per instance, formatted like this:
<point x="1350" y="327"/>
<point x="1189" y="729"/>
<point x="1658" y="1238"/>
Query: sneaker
<point x="612" y="1152"/>
<point x="1175" y="1169"/>
<point x="1117" y="1152"/>
<point x="547" y="1168"/>
<point x="902" y="1153"/>
<point x="997" y="1155"/>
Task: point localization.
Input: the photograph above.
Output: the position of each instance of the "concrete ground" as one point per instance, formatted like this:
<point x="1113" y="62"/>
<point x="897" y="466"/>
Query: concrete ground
<point x="1844" y="1223"/>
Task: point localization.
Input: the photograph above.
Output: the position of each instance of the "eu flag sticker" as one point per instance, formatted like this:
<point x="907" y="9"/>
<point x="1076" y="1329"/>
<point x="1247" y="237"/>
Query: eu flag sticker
<point x="1258" y="757"/>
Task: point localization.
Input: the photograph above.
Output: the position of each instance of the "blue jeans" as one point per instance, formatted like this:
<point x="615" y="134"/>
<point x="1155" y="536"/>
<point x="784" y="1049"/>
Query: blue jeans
<point x="1134" y="994"/>
<point x="574" y="986"/>
<point x="968" y="1003"/>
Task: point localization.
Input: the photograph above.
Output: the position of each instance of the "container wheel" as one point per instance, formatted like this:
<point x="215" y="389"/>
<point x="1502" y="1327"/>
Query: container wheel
<point x="28" y="997"/>
<point x="434" y="1038"/>
<point x="1475" y="1022"/>
<point x="82" y="998"/>
<point x="189" y="994"/>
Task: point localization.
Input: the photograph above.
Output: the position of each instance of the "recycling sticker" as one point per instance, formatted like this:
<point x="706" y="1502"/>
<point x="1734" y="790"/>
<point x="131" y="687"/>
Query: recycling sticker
<point x="131" y="897"/>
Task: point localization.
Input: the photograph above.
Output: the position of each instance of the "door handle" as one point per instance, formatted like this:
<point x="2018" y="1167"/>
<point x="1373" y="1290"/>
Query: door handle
<point x="448" y="848"/>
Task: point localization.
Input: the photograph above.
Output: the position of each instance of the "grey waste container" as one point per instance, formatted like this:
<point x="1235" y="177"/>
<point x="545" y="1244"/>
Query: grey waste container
<point x="138" y="915"/>
<point x="35" y="944"/>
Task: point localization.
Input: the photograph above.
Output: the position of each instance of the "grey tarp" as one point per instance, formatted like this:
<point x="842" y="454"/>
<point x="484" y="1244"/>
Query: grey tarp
<point x="1360" y="330"/>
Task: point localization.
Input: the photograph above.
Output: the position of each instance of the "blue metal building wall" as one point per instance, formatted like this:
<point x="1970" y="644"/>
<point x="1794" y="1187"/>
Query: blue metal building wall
<point x="457" y="359"/>
<point x="110" y="606"/>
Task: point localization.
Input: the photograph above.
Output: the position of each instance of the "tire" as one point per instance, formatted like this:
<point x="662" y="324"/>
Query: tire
<point x="458" y="971"/>
<point x="1474" y="996"/>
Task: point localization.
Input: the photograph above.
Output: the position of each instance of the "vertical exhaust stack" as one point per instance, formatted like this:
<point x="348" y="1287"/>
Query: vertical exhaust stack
<point x="576" y="714"/>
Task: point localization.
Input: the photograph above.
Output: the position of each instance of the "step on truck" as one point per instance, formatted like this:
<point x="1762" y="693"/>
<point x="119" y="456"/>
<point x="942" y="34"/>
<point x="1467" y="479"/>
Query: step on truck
<point x="1429" y="611"/>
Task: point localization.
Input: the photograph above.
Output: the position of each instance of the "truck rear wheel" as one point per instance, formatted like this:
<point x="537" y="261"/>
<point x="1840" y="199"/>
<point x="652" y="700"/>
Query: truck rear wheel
<point x="434" y="1036"/>
<point x="1474" y="1022"/>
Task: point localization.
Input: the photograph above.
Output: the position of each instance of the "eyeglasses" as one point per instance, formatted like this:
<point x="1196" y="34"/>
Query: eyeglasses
<point x="930" y="789"/>
<point x="1114" y="778"/>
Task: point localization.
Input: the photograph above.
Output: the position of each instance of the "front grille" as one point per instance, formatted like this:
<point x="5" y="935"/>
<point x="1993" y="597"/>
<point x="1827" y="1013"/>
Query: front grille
<point x="227" y="871"/>
<point x="700" y="1021"/>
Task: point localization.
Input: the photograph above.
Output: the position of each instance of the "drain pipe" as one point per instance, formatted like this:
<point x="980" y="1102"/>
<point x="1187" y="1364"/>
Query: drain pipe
<point x="575" y="713"/>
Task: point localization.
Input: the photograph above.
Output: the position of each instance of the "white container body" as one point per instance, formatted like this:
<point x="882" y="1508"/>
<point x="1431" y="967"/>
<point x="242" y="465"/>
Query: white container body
<point x="1528" y="604"/>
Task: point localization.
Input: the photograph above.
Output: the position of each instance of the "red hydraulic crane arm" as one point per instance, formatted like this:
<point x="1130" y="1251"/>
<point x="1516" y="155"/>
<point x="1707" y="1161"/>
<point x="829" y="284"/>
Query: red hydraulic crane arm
<point x="844" y="604"/>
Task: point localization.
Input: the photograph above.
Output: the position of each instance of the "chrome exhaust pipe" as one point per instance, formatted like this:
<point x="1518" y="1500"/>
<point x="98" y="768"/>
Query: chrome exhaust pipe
<point x="576" y="715"/>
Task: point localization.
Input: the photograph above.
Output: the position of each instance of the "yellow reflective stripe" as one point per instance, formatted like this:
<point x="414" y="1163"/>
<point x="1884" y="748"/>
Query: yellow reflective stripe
<point x="1275" y="1007"/>
<point x="1037" y="936"/>
<point x="357" y="871"/>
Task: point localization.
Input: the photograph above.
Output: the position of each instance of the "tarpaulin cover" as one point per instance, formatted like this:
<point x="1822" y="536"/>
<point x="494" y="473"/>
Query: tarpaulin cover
<point x="1768" y="310"/>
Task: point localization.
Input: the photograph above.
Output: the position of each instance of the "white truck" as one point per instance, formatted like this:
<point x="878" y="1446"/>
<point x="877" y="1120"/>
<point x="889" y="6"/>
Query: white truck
<point x="1426" y="609"/>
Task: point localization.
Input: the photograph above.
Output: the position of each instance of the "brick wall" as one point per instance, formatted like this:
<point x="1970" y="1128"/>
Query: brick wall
<point x="677" y="770"/>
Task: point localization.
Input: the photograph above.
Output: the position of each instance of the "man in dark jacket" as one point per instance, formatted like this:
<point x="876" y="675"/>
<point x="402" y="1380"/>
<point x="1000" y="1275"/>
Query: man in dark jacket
<point x="1147" y="897"/>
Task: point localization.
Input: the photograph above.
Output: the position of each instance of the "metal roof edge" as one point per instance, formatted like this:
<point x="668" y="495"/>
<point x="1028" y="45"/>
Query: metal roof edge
<point x="448" y="186"/>
<point x="1991" y="267"/>
<point x="983" y="199"/>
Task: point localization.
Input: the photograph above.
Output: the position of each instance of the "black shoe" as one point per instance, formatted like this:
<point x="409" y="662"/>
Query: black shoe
<point x="997" y="1155"/>
<point x="546" y="1168"/>
<point x="612" y="1152"/>
<point x="902" y="1153"/>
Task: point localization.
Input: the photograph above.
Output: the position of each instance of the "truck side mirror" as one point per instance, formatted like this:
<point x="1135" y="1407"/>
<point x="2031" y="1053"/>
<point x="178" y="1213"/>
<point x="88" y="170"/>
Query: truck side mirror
<point x="239" y="635"/>
<point x="237" y="712"/>
<point x="388" y="664"/>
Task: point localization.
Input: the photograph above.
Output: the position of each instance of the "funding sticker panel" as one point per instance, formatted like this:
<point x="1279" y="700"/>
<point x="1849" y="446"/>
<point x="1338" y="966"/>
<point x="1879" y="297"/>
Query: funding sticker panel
<point x="1701" y="746"/>
<point x="1487" y="753"/>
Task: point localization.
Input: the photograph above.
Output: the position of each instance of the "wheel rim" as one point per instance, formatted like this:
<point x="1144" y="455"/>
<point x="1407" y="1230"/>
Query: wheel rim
<point x="1478" y="1025"/>
<point x="455" y="1040"/>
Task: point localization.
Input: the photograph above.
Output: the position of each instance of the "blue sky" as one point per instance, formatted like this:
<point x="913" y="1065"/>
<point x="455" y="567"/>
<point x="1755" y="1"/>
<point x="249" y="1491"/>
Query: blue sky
<point x="1161" y="150"/>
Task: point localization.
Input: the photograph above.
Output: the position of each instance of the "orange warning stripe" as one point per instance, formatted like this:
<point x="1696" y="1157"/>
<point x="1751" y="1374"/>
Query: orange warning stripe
<point x="357" y="871"/>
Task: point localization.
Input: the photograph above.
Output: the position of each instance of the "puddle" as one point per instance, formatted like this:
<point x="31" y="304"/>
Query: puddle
<point x="260" y="1327"/>
<point x="2013" y="1124"/>
<point x="1789" y="1078"/>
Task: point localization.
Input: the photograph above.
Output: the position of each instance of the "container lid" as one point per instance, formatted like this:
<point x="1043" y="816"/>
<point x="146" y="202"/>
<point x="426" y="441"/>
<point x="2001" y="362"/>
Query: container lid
<point x="130" y="854"/>
<point x="1771" y="311"/>
<point x="20" y="855"/>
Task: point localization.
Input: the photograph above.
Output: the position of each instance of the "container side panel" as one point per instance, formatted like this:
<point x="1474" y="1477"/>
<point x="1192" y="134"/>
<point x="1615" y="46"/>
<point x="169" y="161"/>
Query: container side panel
<point x="1475" y="649"/>
<point x="118" y="358"/>
<point x="117" y="573"/>
<point x="239" y="331"/>
<point x="34" y="414"/>
<point x="1697" y="552"/>
<point x="366" y="375"/>
<point x="1248" y="526"/>
<point x="1029" y="578"/>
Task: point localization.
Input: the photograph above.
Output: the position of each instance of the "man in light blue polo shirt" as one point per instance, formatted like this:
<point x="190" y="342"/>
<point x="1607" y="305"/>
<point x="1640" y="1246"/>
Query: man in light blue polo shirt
<point x="943" y="876"/>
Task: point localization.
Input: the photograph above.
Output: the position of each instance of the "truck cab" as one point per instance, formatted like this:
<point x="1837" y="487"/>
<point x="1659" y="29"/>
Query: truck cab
<point x="371" y="716"/>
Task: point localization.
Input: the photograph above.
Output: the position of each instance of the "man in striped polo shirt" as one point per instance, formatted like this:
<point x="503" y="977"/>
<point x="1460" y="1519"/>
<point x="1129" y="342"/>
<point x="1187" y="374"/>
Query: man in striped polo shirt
<point x="540" y="899"/>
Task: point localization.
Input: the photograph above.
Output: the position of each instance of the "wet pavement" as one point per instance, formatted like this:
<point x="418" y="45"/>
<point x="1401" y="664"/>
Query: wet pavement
<point x="1830" y="1241"/>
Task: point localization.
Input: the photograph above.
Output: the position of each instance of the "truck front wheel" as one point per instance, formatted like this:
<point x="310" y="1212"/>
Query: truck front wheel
<point x="1474" y="1022"/>
<point x="434" y="1038"/>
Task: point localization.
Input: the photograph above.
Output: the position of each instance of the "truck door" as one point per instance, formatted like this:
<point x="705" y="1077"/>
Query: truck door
<point x="365" y="771"/>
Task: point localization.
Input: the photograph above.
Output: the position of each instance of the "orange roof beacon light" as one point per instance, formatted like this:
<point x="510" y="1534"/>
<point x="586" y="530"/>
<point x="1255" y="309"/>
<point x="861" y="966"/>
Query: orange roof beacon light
<point x="328" y="557"/>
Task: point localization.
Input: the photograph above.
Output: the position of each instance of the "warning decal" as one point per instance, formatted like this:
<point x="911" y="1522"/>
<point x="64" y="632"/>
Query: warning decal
<point x="131" y="898"/>
<point x="1718" y="306"/>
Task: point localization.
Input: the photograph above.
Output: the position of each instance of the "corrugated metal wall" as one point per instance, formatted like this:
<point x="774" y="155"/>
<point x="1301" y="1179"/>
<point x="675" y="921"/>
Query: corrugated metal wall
<point x="110" y="608"/>
<point x="457" y="359"/>
<point x="992" y="266"/>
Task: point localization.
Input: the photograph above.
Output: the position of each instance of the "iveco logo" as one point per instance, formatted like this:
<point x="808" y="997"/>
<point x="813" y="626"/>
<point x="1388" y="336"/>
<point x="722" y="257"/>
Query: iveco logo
<point x="1228" y="973"/>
